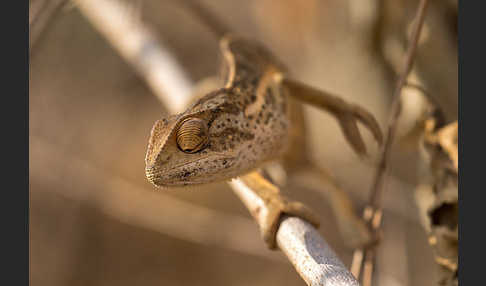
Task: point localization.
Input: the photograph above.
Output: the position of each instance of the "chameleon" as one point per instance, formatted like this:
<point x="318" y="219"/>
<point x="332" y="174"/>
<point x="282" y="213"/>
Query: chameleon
<point x="254" y="118"/>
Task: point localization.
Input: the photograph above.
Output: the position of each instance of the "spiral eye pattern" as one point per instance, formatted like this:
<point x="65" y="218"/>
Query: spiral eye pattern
<point x="192" y="135"/>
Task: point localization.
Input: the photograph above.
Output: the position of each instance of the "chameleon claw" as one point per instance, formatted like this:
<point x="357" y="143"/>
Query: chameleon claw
<point x="346" y="113"/>
<point x="299" y="209"/>
<point x="352" y="134"/>
<point x="348" y="118"/>
<point x="269" y="223"/>
<point x="271" y="205"/>
<point x="369" y="121"/>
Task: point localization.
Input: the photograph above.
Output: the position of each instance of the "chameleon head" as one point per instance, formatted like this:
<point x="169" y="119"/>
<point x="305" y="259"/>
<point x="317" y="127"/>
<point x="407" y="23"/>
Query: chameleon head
<point x="178" y="151"/>
<point x="212" y="141"/>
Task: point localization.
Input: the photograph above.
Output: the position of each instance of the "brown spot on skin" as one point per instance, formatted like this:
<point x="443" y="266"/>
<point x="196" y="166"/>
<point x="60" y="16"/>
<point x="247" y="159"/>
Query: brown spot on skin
<point x="208" y="97"/>
<point x="233" y="132"/>
<point x="248" y="136"/>
<point x="230" y="108"/>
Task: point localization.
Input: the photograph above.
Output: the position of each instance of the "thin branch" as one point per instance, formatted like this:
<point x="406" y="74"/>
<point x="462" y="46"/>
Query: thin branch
<point x="304" y="247"/>
<point x="139" y="46"/>
<point x="378" y="181"/>
<point x="372" y="213"/>
<point x="310" y="254"/>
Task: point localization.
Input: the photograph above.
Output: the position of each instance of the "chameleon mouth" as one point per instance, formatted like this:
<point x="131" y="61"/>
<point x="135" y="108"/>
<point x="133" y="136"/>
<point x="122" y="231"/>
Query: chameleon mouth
<point x="173" y="176"/>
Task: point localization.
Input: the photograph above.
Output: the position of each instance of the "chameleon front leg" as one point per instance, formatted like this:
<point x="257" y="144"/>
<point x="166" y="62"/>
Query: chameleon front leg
<point x="346" y="113"/>
<point x="267" y="205"/>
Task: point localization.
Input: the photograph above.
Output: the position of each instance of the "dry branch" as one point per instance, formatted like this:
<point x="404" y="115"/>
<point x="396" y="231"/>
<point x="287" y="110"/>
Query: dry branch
<point x="304" y="247"/>
<point x="137" y="44"/>
<point x="373" y="213"/>
<point x="377" y="187"/>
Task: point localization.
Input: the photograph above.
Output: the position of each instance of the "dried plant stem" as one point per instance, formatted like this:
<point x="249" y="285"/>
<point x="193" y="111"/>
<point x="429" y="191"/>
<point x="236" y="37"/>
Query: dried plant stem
<point x="302" y="244"/>
<point x="377" y="187"/>
<point x="372" y="212"/>
<point x="139" y="46"/>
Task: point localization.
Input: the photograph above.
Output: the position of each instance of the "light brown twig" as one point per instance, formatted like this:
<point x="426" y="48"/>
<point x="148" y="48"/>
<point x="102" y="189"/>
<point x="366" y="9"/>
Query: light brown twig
<point x="139" y="46"/>
<point x="373" y="211"/>
<point x="378" y="181"/>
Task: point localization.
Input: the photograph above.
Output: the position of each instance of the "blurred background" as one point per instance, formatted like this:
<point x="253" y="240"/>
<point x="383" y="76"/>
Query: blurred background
<point x="96" y="220"/>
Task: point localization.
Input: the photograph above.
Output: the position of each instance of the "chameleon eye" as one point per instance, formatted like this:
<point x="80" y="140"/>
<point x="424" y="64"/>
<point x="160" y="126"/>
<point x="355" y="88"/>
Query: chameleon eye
<point x="192" y="135"/>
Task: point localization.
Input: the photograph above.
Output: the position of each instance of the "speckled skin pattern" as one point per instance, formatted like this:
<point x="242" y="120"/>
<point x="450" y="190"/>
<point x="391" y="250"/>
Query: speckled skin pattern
<point x="247" y="119"/>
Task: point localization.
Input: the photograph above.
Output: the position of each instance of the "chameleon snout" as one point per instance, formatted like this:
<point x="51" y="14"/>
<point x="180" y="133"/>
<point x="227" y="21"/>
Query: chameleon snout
<point x="153" y="175"/>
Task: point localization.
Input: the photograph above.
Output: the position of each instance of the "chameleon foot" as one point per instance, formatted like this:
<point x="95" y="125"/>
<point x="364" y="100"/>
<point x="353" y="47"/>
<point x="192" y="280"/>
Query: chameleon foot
<point x="268" y="206"/>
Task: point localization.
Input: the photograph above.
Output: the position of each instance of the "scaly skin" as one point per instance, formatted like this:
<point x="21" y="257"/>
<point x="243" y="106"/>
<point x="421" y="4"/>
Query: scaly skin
<point x="253" y="119"/>
<point x="247" y="121"/>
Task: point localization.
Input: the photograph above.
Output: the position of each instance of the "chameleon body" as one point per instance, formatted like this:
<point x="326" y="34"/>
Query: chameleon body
<point x="255" y="117"/>
<point x="247" y="122"/>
